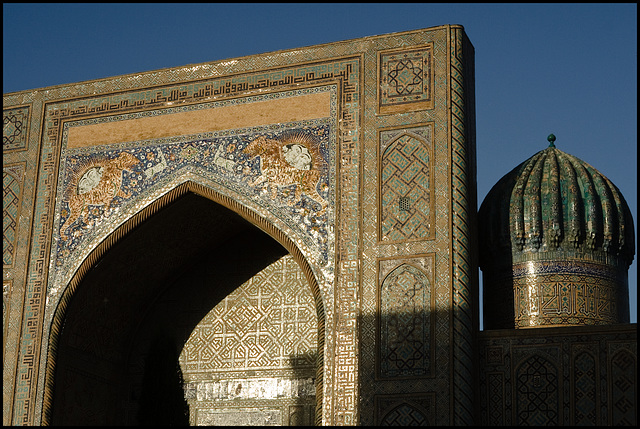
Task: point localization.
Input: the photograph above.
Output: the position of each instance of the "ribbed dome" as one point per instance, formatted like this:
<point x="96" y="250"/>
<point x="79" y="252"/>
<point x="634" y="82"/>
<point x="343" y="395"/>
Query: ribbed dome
<point x="555" y="202"/>
<point x="553" y="214"/>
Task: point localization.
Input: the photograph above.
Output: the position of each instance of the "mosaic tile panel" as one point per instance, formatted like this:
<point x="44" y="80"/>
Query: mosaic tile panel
<point x="406" y="79"/>
<point x="406" y="175"/>
<point x="623" y="400"/>
<point x="258" y="162"/>
<point x="12" y="184"/>
<point x="405" y="320"/>
<point x="561" y="375"/>
<point x="495" y="398"/>
<point x="537" y="392"/>
<point x="15" y="128"/>
<point x="463" y="221"/>
<point x="586" y="394"/>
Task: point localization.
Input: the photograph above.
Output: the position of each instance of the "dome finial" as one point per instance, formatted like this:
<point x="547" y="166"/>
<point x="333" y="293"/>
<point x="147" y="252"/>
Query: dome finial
<point x="551" y="139"/>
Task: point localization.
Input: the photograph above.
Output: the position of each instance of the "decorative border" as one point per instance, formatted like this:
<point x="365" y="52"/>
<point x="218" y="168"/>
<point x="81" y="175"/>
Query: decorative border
<point x="463" y="225"/>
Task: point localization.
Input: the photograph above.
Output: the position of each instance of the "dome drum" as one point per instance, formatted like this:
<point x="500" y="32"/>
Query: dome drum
<point x="556" y="293"/>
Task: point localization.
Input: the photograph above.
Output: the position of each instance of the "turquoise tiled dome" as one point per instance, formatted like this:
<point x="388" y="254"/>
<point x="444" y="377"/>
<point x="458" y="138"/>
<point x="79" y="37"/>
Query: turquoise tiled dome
<point x="553" y="210"/>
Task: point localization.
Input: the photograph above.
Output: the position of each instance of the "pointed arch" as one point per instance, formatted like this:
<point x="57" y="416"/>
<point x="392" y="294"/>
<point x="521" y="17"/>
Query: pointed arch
<point x="116" y="236"/>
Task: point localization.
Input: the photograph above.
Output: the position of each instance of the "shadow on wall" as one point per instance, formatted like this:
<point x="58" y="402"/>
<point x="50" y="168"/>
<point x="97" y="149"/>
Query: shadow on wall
<point x="302" y="412"/>
<point x="162" y="400"/>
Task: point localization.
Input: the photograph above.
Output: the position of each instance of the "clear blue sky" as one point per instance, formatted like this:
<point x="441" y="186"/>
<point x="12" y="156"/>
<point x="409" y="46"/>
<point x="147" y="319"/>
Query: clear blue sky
<point x="568" y="69"/>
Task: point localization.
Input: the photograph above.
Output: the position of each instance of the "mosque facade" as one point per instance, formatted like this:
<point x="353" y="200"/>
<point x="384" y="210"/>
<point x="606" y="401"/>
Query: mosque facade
<point x="293" y="238"/>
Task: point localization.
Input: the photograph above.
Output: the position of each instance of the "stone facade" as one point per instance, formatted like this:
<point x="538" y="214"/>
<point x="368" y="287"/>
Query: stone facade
<point x="286" y="238"/>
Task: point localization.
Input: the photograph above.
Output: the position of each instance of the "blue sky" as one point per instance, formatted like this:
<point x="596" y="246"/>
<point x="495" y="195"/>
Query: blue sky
<point x="566" y="69"/>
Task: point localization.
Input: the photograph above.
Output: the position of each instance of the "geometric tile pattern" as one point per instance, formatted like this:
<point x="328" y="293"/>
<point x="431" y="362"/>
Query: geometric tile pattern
<point x="624" y="373"/>
<point x="495" y="399"/>
<point x="12" y="181"/>
<point x="404" y="415"/>
<point x="255" y="352"/>
<point x="405" y="323"/>
<point x="405" y="79"/>
<point x="463" y="219"/>
<point x="586" y="375"/>
<point x="406" y="201"/>
<point x="267" y="323"/>
<point x="586" y="392"/>
<point x="15" y="125"/>
<point x="537" y="386"/>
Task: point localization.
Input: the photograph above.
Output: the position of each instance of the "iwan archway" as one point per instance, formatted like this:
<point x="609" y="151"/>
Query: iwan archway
<point x="131" y="307"/>
<point x="356" y="157"/>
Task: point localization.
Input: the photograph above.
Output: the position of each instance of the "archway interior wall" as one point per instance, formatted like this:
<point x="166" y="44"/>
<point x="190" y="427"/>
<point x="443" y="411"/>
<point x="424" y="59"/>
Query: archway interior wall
<point x="332" y="108"/>
<point x="252" y="359"/>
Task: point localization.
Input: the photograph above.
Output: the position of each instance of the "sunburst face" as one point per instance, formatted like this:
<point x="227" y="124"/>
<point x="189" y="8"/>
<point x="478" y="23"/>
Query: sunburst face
<point x="86" y="175"/>
<point x="300" y="151"/>
<point x="297" y="156"/>
<point x="90" y="179"/>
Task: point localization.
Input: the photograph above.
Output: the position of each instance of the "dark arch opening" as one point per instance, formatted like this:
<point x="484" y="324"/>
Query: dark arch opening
<point x="128" y="313"/>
